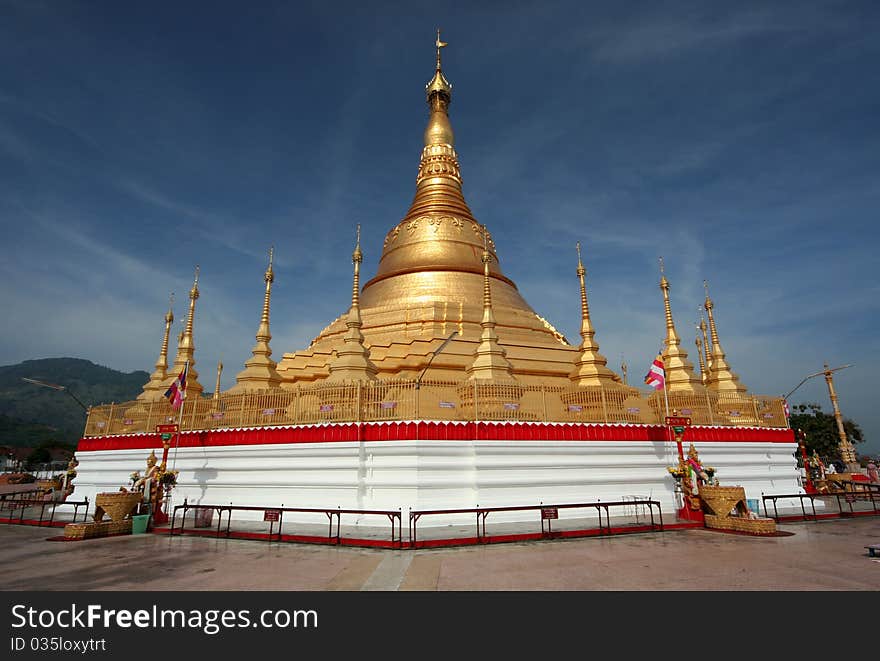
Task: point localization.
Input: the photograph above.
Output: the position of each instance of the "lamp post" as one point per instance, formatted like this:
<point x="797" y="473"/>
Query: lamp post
<point x="433" y="356"/>
<point x="54" y="386"/>
<point x="847" y="452"/>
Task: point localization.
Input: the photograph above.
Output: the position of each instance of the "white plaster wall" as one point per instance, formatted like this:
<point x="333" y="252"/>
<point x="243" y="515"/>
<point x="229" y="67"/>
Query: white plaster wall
<point x="427" y="474"/>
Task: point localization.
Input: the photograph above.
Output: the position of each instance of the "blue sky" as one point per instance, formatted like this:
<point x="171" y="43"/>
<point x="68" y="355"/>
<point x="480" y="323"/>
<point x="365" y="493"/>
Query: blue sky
<point x="738" y="140"/>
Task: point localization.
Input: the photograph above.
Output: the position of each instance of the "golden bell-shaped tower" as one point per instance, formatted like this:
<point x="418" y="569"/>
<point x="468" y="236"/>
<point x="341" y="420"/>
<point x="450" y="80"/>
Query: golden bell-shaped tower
<point x="430" y="281"/>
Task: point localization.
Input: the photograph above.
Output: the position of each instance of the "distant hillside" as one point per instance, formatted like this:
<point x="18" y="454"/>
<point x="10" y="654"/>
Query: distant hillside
<point x="31" y="414"/>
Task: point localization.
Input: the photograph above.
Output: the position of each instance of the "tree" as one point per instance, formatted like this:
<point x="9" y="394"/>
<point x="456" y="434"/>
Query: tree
<point x="821" y="431"/>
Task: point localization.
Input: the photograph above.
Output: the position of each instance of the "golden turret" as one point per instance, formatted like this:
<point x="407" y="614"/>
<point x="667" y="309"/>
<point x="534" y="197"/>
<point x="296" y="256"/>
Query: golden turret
<point x="721" y="378"/>
<point x="680" y="375"/>
<point x="154" y="389"/>
<point x="590" y="367"/>
<point x="259" y="372"/>
<point x="352" y="361"/>
<point x="186" y="348"/>
<point x="490" y="362"/>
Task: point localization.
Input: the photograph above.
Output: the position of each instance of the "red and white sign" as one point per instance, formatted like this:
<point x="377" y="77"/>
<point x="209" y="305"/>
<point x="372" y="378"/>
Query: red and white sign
<point x="678" y="421"/>
<point x="271" y="515"/>
<point x="549" y="513"/>
<point x="166" y="429"/>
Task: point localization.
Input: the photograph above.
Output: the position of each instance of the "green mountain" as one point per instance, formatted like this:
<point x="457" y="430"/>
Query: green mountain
<point x="32" y="414"/>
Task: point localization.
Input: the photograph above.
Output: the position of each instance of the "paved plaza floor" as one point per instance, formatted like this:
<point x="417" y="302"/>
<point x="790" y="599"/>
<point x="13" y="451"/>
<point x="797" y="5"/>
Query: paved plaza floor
<point x="823" y="555"/>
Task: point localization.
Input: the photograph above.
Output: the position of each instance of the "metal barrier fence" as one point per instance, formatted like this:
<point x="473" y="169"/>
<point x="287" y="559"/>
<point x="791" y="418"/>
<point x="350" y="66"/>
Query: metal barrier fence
<point x="22" y="504"/>
<point x="868" y="492"/>
<point x="548" y="513"/>
<point x="274" y="515"/>
<point x="434" y="400"/>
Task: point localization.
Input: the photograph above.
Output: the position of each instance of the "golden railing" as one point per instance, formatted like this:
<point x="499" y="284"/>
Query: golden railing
<point x="434" y="400"/>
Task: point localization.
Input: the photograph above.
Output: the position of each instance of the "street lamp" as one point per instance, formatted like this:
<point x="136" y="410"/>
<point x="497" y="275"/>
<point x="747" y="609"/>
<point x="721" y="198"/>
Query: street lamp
<point x="54" y="386"/>
<point x="847" y="452"/>
<point x="433" y="356"/>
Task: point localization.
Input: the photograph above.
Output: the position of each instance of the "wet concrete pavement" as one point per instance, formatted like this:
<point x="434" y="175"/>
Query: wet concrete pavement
<point x="824" y="555"/>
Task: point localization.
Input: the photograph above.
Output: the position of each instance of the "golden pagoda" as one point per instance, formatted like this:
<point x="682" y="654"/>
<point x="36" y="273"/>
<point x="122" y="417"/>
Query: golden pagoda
<point x="430" y="280"/>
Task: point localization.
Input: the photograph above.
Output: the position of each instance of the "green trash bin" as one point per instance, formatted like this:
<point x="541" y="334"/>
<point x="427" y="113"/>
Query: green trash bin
<point x="139" y="523"/>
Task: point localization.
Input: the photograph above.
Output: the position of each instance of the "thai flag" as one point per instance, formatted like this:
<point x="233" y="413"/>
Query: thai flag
<point x="656" y="376"/>
<point x="177" y="392"/>
<point x="785" y="408"/>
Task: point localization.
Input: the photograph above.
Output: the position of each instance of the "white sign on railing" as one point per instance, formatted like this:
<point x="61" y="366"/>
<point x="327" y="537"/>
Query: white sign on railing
<point x="447" y="405"/>
<point x="388" y="405"/>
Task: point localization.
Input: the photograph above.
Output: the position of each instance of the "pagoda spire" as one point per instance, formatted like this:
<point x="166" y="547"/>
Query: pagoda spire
<point x="216" y="397"/>
<point x="352" y="361"/>
<point x="154" y="389"/>
<point x="590" y="367"/>
<point x="490" y="361"/>
<point x="186" y="348"/>
<point x="259" y="372"/>
<point x="703" y="328"/>
<point x="679" y="370"/>
<point x="699" y="345"/>
<point x="720" y="377"/>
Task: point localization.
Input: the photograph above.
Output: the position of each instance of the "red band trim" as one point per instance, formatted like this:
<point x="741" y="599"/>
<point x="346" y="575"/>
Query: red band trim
<point x="436" y="431"/>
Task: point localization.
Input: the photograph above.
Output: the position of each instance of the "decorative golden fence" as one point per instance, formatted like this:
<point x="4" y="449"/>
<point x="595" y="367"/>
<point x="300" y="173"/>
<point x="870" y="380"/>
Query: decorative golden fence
<point x="434" y="400"/>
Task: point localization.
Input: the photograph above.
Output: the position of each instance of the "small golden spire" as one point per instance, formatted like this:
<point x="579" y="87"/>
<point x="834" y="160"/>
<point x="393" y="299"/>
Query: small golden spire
<point x="490" y="361"/>
<point x="679" y="370"/>
<point x="624" y="368"/>
<point x="721" y="377"/>
<point x="356" y="258"/>
<point x="439" y="44"/>
<point x="590" y="366"/>
<point x="260" y="371"/>
<point x="186" y="346"/>
<point x="703" y="329"/>
<point x="217" y="386"/>
<point x="153" y="389"/>
<point x="352" y="361"/>
<point x="699" y="344"/>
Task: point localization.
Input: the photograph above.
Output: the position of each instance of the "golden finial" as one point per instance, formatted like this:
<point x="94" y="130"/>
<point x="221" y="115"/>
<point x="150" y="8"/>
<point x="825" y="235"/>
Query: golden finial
<point x="663" y="281"/>
<point x="623" y="368"/>
<point x="439" y="84"/>
<point x="357" y="256"/>
<point x="708" y="304"/>
<point x="581" y="271"/>
<point x="439" y="44"/>
<point x="194" y="292"/>
<point x="270" y="274"/>
<point x="169" y="317"/>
